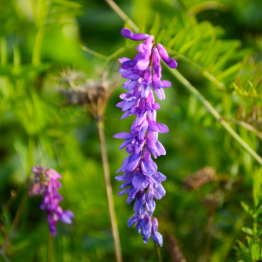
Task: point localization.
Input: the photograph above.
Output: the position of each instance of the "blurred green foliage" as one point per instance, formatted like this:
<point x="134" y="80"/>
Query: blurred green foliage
<point x="219" y="50"/>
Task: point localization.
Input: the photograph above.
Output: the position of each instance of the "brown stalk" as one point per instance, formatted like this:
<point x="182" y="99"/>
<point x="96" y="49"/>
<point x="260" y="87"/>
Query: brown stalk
<point x="94" y="95"/>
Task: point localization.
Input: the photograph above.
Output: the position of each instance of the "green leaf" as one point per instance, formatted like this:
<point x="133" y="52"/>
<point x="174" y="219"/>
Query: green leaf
<point x="259" y="233"/>
<point x="160" y="36"/>
<point x="249" y="241"/>
<point x="68" y="4"/>
<point x="185" y="47"/>
<point x="178" y="37"/>
<point x="3" y="51"/>
<point x="169" y="32"/>
<point x="254" y="249"/>
<point x="243" y="256"/>
<point x="247" y="208"/>
<point x="221" y="252"/>
<point x="156" y="26"/>
<point x="220" y="63"/>
<point x="257" y="181"/>
<point x="230" y="72"/>
<point x="242" y="247"/>
<point x="242" y="252"/>
<point x="247" y="230"/>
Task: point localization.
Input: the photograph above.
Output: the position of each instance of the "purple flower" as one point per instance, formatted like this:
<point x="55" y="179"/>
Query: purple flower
<point x="142" y="181"/>
<point x="46" y="183"/>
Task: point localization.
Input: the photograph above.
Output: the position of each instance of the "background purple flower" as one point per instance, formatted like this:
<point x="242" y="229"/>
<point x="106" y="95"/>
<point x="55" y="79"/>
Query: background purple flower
<point x="141" y="179"/>
<point x="46" y="183"/>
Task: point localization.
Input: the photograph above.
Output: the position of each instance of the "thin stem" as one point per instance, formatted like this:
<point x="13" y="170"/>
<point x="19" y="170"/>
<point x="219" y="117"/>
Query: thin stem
<point x="50" y="247"/>
<point x="3" y="256"/>
<point x="14" y="224"/>
<point x="248" y="127"/>
<point x="30" y="157"/>
<point x="93" y="52"/>
<point x="109" y="58"/>
<point x="109" y="192"/>
<point x="18" y="214"/>
<point x="3" y="51"/>
<point x="212" y="110"/>
<point x="117" y="9"/>
<point x="206" y="6"/>
<point x="209" y="236"/>
<point x="255" y="226"/>
<point x="158" y="252"/>
<point x="36" y="59"/>
<point x="40" y="17"/>
<point x="116" y="53"/>
<point x="206" y="74"/>
<point x="17" y="56"/>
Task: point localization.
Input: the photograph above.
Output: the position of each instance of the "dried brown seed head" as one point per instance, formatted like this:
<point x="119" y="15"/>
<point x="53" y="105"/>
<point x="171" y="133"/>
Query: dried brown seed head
<point x="174" y="250"/>
<point x="201" y="177"/>
<point x="93" y="94"/>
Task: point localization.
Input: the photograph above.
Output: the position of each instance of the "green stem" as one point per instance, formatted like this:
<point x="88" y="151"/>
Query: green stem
<point x="50" y="247"/>
<point x="158" y="252"/>
<point x="118" y="10"/>
<point x="255" y="226"/>
<point x="38" y="44"/>
<point x="40" y="14"/>
<point x="194" y="10"/>
<point x="109" y="58"/>
<point x="209" y="236"/>
<point x="30" y="155"/>
<point x="206" y="74"/>
<point x="212" y="110"/>
<point x="93" y="52"/>
<point x="116" y="53"/>
<point x="3" y="51"/>
<point x="17" y="56"/>
<point x="3" y="256"/>
<point x="109" y="192"/>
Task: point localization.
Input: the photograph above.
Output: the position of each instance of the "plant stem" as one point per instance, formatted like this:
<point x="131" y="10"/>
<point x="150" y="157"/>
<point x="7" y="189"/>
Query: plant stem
<point x="3" y="255"/>
<point x="89" y="51"/>
<point x="3" y="51"/>
<point x="30" y="157"/>
<point x="100" y="126"/>
<point x="38" y="44"/>
<point x="212" y="110"/>
<point x="247" y="126"/>
<point x="116" y="53"/>
<point x="50" y="247"/>
<point x="158" y="252"/>
<point x="196" y="66"/>
<point x="209" y="5"/>
<point x="13" y="226"/>
<point x="209" y="236"/>
<point x="117" y="9"/>
<point x="18" y="214"/>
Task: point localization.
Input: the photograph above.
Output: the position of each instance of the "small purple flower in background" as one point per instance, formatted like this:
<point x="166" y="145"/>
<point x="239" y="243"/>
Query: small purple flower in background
<point x="46" y="183"/>
<point x="140" y="171"/>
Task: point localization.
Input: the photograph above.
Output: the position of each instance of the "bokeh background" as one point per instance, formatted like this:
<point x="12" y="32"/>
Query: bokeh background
<point x="39" y="40"/>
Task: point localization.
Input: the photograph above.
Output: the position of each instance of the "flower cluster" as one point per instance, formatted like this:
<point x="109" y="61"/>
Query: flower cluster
<point x="140" y="171"/>
<point x="46" y="183"/>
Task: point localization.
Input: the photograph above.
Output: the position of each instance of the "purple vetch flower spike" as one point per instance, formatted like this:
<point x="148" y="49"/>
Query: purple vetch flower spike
<point x="141" y="180"/>
<point x="46" y="184"/>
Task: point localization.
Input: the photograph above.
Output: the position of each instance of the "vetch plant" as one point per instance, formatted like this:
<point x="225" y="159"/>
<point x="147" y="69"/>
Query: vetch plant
<point x="253" y="251"/>
<point x="140" y="171"/>
<point x="46" y="183"/>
